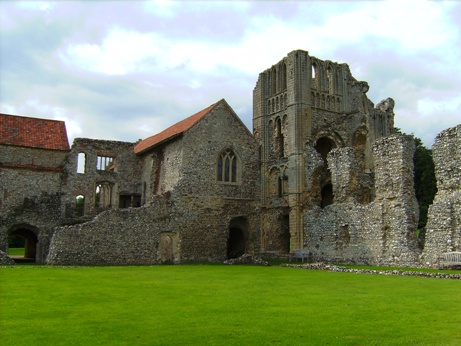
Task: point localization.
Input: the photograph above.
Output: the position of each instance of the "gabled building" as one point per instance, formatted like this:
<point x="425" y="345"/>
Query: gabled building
<point x="32" y="157"/>
<point x="197" y="184"/>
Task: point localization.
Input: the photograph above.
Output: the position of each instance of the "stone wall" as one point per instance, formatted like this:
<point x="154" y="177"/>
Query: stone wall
<point x="190" y="214"/>
<point x="443" y="229"/>
<point x="30" y="195"/>
<point x="121" y="176"/>
<point x="123" y="237"/>
<point x="379" y="233"/>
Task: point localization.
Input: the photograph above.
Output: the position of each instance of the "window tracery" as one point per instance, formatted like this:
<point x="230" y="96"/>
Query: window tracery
<point x="227" y="167"/>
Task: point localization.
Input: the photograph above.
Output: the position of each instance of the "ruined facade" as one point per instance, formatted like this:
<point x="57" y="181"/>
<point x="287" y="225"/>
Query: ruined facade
<point x="32" y="156"/>
<point x="196" y="181"/>
<point x="322" y="172"/>
<point x="324" y="164"/>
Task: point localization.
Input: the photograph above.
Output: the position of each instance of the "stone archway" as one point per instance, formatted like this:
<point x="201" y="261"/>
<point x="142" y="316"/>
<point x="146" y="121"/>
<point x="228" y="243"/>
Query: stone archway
<point x="236" y="242"/>
<point x="169" y="247"/>
<point x="166" y="250"/>
<point x="30" y="236"/>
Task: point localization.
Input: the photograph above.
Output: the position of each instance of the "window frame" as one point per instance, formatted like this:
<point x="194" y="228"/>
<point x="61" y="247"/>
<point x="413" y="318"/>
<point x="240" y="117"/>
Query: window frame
<point x="228" y="167"/>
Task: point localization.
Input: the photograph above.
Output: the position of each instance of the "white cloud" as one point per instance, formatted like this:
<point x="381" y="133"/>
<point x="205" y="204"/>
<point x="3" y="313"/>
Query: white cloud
<point x="429" y="107"/>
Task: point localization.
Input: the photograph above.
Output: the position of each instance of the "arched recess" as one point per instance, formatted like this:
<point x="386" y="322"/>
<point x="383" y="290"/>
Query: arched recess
<point x="274" y="81"/>
<point x="238" y="237"/>
<point x="79" y="205"/>
<point x="284" y="76"/>
<point x="168" y="247"/>
<point x="166" y="250"/>
<point x="324" y="145"/>
<point x="274" y="174"/>
<point x="279" y="138"/>
<point x="30" y="236"/>
<point x="359" y="142"/>
<point x="285" y="241"/>
<point x="103" y="195"/>
<point x="326" y="195"/>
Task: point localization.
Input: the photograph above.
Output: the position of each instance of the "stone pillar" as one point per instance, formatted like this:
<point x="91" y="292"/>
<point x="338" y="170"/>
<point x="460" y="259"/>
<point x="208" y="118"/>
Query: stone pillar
<point x="398" y="212"/>
<point x="344" y="174"/>
<point x="443" y="229"/>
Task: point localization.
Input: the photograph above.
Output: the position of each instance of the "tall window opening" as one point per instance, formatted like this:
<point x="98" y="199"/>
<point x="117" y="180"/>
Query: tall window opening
<point x="81" y="163"/>
<point x="80" y="205"/>
<point x="103" y="196"/>
<point x="279" y="138"/>
<point x="284" y="77"/>
<point x="330" y="80"/>
<point x="105" y="163"/>
<point x="227" y="167"/>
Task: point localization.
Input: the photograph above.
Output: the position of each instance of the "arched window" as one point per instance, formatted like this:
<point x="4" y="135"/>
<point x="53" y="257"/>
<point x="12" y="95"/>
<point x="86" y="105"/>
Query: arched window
<point x="81" y="163"/>
<point x="80" y="205"/>
<point x="280" y="146"/>
<point x="284" y="77"/>
<point x="103" y="195"/>
<point x="227" y="166"/>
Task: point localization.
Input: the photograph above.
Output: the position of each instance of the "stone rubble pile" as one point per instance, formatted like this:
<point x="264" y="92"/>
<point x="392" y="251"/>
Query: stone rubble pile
<point x="333" y="268"/>
<point x="247" y="259"/>
<point x="5" y="259"/>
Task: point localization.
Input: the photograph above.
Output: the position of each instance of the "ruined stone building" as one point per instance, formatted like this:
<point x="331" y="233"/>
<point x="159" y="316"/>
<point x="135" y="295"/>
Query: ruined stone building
<point x="322" y="172"/>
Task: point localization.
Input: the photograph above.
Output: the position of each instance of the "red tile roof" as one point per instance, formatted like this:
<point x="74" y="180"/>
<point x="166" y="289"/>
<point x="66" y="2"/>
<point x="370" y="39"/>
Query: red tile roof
<point x="33" y="132"/>
<point x="30" y="167"/>
<point x="173" y="131"/>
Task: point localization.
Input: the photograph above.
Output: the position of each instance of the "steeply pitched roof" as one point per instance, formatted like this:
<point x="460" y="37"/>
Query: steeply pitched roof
<point x="173" y="131"/>
<point x="33" y="132"/>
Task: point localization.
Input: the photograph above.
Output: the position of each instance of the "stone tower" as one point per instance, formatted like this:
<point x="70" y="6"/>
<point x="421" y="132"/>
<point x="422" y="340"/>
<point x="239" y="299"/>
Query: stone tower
<point x="304" y="107"/>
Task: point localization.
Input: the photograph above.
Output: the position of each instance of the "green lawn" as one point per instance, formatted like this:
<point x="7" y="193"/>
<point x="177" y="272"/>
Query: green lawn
<point x="16" y="251"/>
<point x="223" y="305"/>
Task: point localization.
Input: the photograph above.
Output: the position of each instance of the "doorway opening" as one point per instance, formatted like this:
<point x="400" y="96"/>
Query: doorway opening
<point x="22" y="245"/>
<point x="236" y="243"/>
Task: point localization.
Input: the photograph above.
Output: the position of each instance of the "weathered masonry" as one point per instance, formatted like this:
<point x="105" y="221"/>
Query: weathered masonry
<point x="322" y="171"/>
<point x="32" y="156"/>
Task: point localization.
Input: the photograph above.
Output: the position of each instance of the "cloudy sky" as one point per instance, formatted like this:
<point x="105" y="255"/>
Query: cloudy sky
<point x="125" y="70"/>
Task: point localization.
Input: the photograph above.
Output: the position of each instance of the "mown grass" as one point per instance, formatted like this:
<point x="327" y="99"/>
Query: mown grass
<point x="223" y="305"/>
<point x="16" y="251"/>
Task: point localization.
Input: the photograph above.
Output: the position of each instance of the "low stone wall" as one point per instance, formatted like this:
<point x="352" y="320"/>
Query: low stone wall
<point x="115" y="237"/>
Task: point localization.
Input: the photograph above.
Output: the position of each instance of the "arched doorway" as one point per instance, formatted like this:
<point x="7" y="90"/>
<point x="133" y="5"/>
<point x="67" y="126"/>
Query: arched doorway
<point x="26" y="236"/>
<point x="236" y="243"/>
<point x="166" y="250"/>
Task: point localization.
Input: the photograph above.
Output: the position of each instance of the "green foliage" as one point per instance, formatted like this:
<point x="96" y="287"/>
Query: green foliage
<point x="425" y="182"/>
<point x="79" y="205"/>
<point x="223" y="305"/>
<point x="16" y="241"/>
